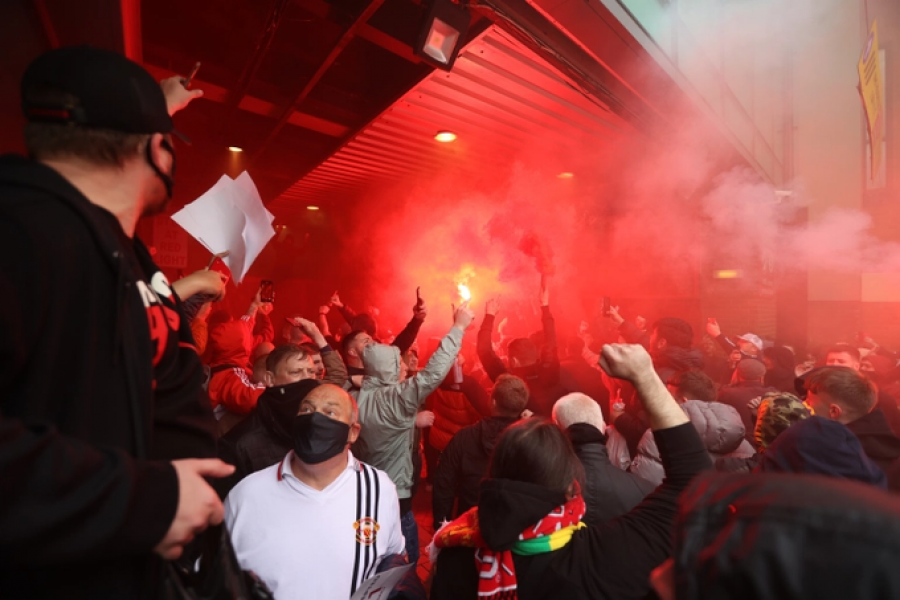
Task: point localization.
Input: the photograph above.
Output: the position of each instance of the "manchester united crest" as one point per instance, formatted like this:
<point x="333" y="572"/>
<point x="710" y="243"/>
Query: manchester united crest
<point x="366" y="530"/>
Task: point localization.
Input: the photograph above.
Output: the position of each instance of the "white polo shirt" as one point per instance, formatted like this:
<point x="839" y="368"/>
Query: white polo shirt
<point x="310" y="544"/>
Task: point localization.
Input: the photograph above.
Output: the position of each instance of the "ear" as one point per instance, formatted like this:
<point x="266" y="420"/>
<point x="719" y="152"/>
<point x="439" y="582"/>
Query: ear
<point x="269" y="379"/>
<point x="354" y="433"/>
<point x="161" y="157"/>
<point x="835" y="412"/>
<point x="661" y="343"/>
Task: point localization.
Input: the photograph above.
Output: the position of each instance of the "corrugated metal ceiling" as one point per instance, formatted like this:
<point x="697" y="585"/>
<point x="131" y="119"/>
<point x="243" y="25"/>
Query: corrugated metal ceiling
<point x="499" y="99"/>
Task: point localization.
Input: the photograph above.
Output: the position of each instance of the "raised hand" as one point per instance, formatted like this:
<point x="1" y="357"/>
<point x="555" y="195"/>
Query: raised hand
<point x="463" y="316"/>
<point x="177" y="96"/>
<point x="492" y="307"/>
<point x="420" y="310"/>
<point x="626" y="361"/>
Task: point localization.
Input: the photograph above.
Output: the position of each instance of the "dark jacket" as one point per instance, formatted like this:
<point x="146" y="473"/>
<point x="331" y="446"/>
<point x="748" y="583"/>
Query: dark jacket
<point x="609" y="492"/>
<point x="739" y="395"/>
<point x="88" y="422"/>
<point x="819" y="446"/>
<point x="463" y="465"/>
<point x="542" y="377"/>
<point x="669" y="360"/>
<point x="265" y="435"/>
<point x="613" y="560"/>
<point x="878" y="441"/>
<point x="791" y="537"/>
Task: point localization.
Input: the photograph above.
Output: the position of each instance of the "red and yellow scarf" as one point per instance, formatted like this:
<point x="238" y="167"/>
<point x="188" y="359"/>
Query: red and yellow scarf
<point x="496" y="572"/>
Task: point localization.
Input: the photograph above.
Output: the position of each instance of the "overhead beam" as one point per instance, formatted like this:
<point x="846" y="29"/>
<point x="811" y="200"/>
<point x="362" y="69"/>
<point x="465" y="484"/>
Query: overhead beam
<point x="321" y="9"/>
<point x="131" y="30"/>
<point x="46" y="23"/>
<point x="335" y="51"/>
<point x="248" y="74"/>
<point x="257" y="106"/>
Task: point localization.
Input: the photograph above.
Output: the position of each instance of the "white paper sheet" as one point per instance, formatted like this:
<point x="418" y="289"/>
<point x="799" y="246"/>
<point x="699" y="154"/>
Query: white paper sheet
<point x="230" y="216"/>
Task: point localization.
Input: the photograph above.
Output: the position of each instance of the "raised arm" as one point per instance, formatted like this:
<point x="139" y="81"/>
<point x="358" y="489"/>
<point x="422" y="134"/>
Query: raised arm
<point x="335" y="369"/>
<point x="414" y="390"/>
<point x="407" y="337"/>
<point x="492" y="364"/>
<point x="637" y="542"/>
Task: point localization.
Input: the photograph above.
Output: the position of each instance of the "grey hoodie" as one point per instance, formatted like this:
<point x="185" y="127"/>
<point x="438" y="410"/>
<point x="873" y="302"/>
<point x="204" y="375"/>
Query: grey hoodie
<point x="388" y="408"/>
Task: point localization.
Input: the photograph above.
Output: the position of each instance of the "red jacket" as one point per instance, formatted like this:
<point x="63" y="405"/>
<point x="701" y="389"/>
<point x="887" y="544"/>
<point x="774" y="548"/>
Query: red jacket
<point x="455" y="409"/>
<point x="229" y="352"/>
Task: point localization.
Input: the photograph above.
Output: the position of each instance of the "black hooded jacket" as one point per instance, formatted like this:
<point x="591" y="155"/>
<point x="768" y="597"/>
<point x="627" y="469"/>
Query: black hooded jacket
<point x="609" y="492"/>
<point x="264" y="436"/>
<point x="878" y="441"/>
<point x="88" y="423"/>
<point x="785" y="536"/>
<point x="463" y="465"/>
<point x="613" y="560"/>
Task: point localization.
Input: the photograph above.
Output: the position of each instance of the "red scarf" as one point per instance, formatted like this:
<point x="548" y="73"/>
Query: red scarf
<point x="496" y="571"/>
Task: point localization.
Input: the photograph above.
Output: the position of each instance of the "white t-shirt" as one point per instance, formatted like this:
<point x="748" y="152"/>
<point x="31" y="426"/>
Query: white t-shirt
<point x="310" y="544"/>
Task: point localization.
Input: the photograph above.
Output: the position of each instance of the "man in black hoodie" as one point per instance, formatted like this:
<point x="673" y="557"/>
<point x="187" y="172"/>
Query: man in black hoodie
<point x="102" y="395"/>
<point x="539" y="367"/>
<point x="463" y="464"/>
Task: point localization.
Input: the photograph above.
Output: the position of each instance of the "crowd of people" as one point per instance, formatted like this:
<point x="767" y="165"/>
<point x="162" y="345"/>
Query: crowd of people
<point x="635" y="460"/>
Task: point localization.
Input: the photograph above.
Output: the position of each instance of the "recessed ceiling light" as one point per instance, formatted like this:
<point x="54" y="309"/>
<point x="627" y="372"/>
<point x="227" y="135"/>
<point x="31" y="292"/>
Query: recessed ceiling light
<point x="566" y="175"/>
<point x="445" y="136"/>
<point x="312" y="208"/>
<point x="235" y="148"/>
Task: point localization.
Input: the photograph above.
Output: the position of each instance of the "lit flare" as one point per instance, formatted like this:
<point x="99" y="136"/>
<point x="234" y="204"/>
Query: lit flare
<point x="464" y="292"/>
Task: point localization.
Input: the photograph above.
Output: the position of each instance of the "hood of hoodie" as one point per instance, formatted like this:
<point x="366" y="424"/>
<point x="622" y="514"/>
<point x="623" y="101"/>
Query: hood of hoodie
<point x="748" y="536"/>
<point x="278" y="406"/>
<point x="382" y="364"/>
<point x="821" y="446"/>
<point x="229" y="344"/>
<point x="506" y="508"/>
<point x="719" y="425"/>
<point x="679" y="359"/>
<point x="488" y="432"/>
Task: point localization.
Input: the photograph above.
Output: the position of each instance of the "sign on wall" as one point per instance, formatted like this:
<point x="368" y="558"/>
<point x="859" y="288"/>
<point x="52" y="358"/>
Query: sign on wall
<point x="871" y="89"/>
<point x="171" y="243"/>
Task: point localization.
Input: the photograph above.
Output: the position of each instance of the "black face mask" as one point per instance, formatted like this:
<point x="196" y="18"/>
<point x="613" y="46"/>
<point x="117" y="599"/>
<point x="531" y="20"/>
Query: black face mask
<point x="167" y="179"/>
<point x="318" y="438"/>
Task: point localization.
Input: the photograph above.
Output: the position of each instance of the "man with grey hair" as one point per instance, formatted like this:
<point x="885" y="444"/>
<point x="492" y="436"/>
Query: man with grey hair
<point x="609" y="492"/>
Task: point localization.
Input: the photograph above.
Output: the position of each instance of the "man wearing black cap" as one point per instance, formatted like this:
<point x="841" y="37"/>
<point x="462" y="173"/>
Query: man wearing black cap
<point x="101" y="383"/>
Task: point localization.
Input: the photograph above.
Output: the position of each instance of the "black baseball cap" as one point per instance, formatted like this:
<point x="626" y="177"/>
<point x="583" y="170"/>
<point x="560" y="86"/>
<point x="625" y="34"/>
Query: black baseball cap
<point x="109" y="91"/>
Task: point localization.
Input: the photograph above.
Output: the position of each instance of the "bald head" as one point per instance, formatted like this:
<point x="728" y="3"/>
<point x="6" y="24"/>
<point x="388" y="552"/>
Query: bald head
<point x="578" y="408"/>
<point x="331" y="401"/>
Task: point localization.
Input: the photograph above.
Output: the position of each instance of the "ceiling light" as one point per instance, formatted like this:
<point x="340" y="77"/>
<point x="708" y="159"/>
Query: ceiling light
<point x="443" y="34"/>
<point x="235" y="148"/>
<point x="445" y="136"/>
<point x="312" y="207"/>
<point x="566" y="175"/>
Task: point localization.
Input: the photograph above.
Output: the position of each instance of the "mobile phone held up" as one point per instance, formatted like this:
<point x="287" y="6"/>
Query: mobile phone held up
<point x="267" y="291"/>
